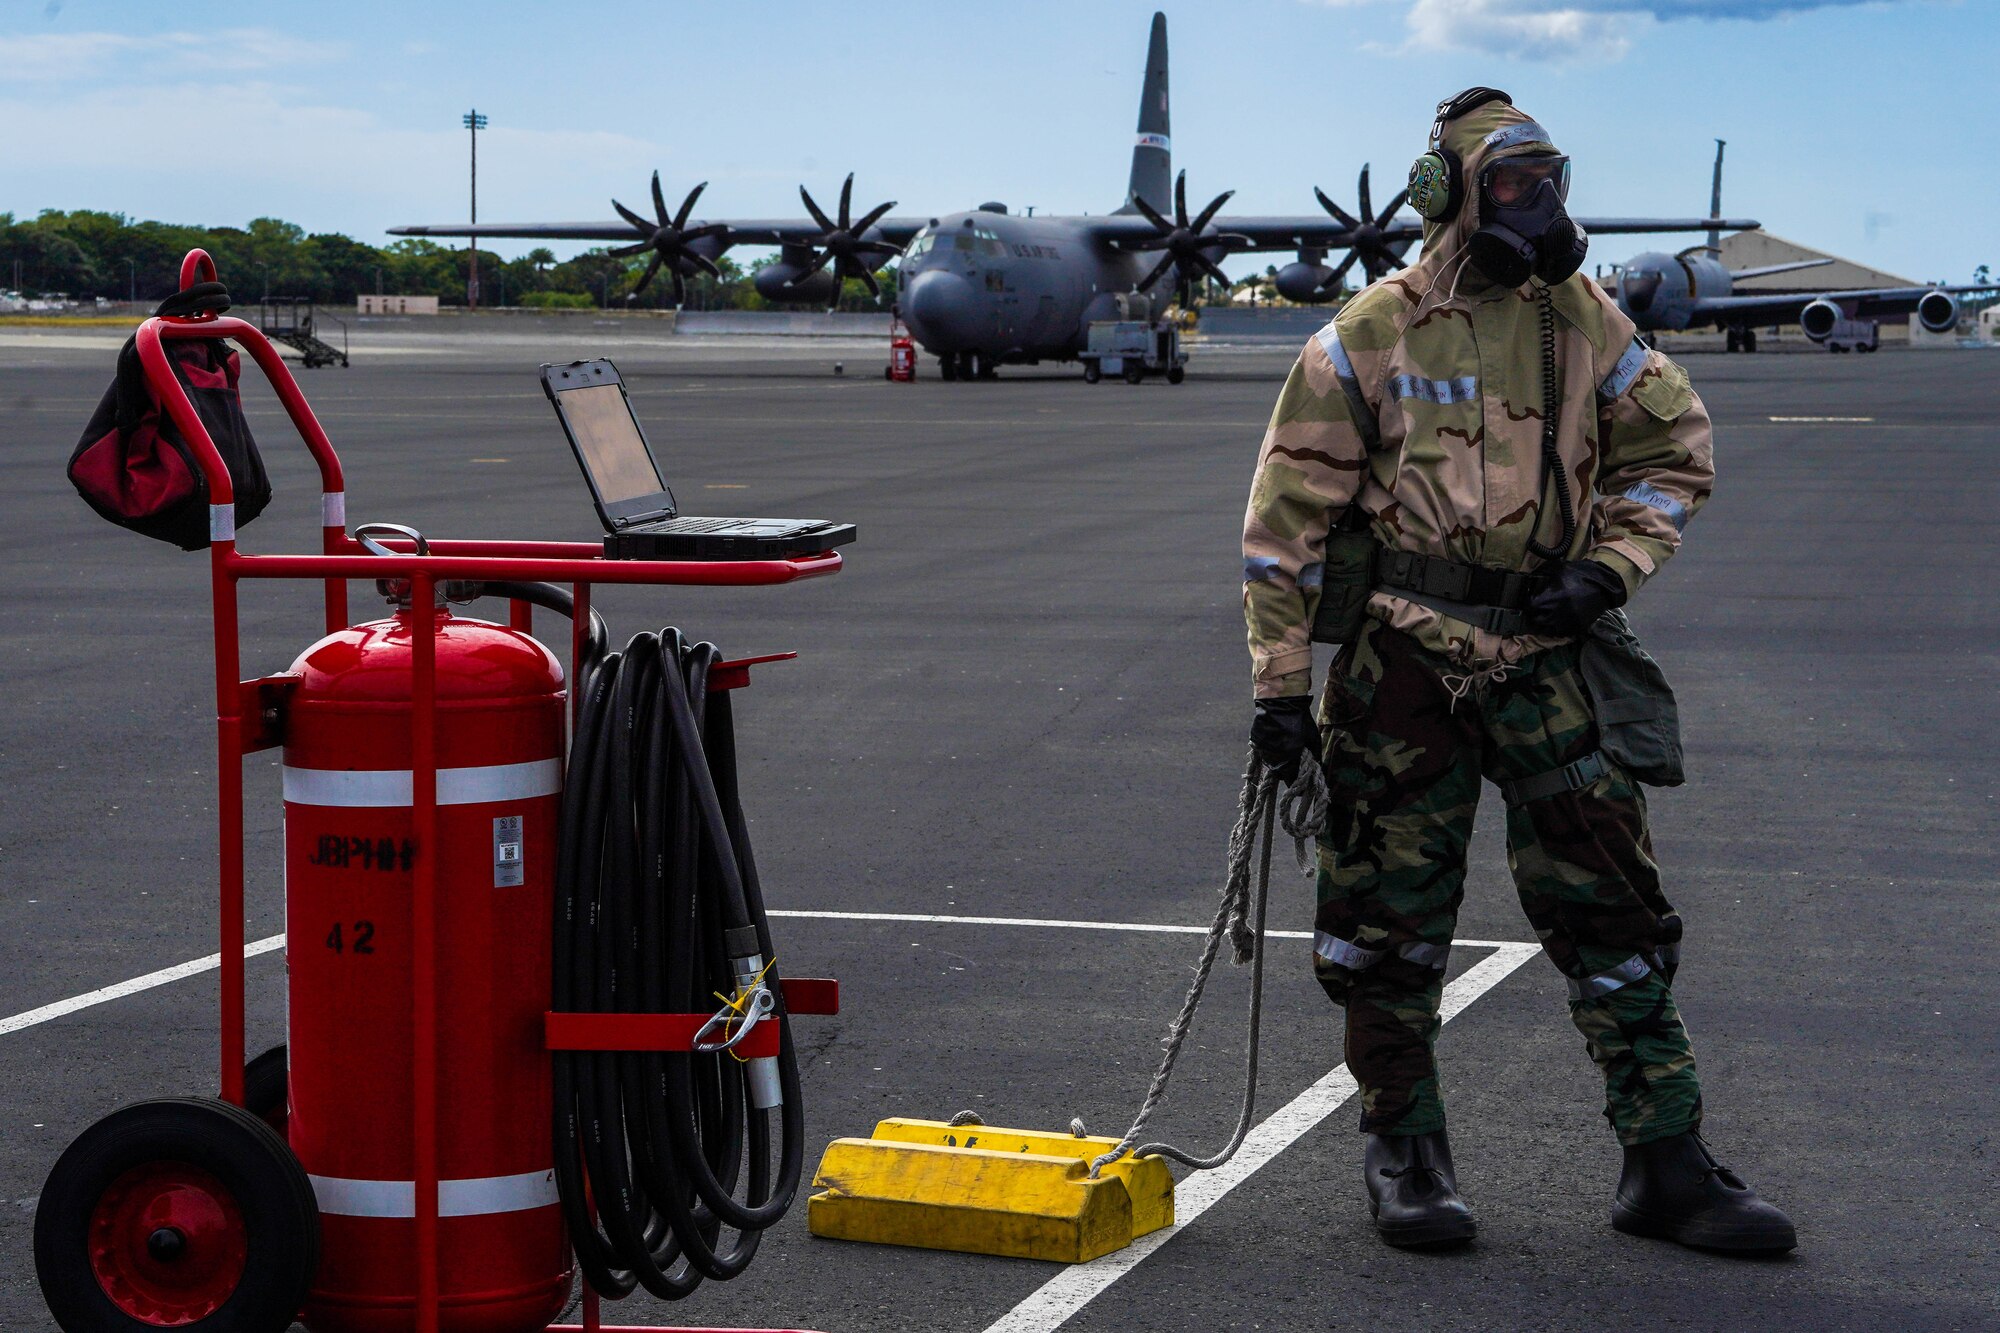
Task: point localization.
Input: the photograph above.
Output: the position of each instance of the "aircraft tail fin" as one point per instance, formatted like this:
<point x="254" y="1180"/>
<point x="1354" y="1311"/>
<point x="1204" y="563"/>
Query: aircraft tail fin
<point x="1715" y="197"/>
<point x="1152" y="155"/>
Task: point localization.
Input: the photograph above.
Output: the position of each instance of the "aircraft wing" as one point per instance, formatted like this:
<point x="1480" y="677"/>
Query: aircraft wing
<point x="1866" y="302"/>
<point x="741" y="231"/>
<point x="1131" y="231"/>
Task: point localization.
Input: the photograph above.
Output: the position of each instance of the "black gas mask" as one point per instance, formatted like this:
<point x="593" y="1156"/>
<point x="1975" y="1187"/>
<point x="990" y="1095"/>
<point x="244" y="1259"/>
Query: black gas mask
<point x="1524" y="230"/>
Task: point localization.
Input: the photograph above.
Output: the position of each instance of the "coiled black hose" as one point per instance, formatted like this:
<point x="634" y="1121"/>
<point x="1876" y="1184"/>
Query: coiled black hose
<point x="658" y="909"/>
<point x="1551" y="455"/>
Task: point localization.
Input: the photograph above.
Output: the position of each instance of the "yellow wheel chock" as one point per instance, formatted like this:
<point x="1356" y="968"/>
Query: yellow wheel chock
<point x="981" y="1189"/>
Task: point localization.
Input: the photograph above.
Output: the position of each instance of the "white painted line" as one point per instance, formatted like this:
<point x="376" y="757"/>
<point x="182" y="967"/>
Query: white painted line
<point x="133" y="987"/>
<point x="1135" y="927"/>
<point x="1053" y="1303"/>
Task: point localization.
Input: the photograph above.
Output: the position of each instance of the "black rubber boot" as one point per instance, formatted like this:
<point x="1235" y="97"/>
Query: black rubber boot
<point x="1413" y="1192"/>
<point x="1674" y="1188"/>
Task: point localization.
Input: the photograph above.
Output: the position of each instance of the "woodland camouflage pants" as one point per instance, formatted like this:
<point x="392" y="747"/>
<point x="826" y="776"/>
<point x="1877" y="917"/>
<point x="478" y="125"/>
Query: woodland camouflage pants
<point x="1404" y="762"/>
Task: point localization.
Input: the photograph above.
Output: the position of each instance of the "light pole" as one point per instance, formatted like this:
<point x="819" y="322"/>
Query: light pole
<point x="132" y="273"/>
<point x="474" y="123"/>
<point x="265" y="269"/>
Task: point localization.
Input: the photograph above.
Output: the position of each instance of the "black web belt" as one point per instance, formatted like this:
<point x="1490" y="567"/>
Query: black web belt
<point x="1570" y="777"/>
<point x="1491" y="599"/>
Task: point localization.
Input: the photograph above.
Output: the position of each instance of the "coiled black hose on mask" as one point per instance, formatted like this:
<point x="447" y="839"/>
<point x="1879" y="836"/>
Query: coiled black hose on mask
<point x="658" y="910"/>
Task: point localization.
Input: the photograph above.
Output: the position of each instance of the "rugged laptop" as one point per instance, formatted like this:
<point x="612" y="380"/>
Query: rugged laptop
<point x="640" y="518"/>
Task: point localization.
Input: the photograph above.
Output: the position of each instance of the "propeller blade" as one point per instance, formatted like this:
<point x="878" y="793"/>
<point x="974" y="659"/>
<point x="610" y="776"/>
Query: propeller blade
<point x="1210" y="267"/>
<point x="1333" y="283"/>
<point x="687" y="205"/>
<point x="1340" y="214"/>
<point x="819" y="262"/>
<point x="874" y="287"/>
<point x="680" y="290"/>
<point x="708" y="229"/>
<point x="1180" y="198"/>
<point x="1402" y="197"/>
<point x="826" y="223"/>
<point x="627" y="251"/>
<point x="1146" y="282"/>
<point x="1214" y="207"/>
<point x="1366" y="211"/>
<point x="644" y="227"/>
<point x="651" y="269"/>
<point x="846" y="198"/>
<point x="876" y="248"/>
<point x="660" y="202"/>
<point x="1152" y="215"/>
<point x="705" y="264"/>
<point x="1235" y="240"/>
<point x="870" y="218"/>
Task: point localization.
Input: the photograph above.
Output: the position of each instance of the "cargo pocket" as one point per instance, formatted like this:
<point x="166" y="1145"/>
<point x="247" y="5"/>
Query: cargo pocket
<point x="1638" y="722"/>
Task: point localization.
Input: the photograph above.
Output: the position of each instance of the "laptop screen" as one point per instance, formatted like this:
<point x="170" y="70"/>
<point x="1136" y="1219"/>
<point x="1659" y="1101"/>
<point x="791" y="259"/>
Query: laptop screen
<point x="609" y="440"/>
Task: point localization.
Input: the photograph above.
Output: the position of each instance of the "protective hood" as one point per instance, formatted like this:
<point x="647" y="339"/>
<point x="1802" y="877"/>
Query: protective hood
<point x="1480" y="136"/>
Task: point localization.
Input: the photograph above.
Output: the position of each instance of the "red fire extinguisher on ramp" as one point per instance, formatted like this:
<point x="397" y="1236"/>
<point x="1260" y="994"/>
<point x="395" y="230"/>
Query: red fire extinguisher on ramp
<point x="902" y="367"/>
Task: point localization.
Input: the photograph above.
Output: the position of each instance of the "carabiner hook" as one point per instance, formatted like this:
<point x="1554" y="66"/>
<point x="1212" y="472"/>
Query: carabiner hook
<point x="756" y="1006"/>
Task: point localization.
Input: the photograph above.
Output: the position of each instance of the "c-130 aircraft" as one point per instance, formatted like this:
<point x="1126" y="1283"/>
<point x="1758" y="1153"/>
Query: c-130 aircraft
<point x="984" y="288"/>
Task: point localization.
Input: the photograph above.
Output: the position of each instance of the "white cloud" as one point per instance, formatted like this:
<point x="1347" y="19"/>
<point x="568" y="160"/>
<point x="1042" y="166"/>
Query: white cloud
<point x="1568" y="30"/>
<point x="57" y="56"/>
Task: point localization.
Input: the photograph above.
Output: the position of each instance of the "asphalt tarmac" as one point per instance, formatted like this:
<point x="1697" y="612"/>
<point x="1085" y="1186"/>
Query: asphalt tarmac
<point x="1026" y="697"/>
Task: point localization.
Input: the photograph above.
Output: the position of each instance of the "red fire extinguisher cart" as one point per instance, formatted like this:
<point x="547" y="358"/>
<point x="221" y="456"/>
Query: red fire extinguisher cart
<point x="414" y="1186"/>
<point x="902" y="367"/>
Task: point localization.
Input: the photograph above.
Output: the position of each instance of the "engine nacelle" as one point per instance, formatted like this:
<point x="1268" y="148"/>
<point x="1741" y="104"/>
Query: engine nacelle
<point x="780" y="282"/>
<point x="1938" y="312"/>
<point x="1819" y="319"/>
<point x="1305" y="283"/>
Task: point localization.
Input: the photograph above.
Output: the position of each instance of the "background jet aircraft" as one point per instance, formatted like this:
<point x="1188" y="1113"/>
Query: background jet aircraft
<point x="983" y="287"/>
<point x="1692" y="289"/>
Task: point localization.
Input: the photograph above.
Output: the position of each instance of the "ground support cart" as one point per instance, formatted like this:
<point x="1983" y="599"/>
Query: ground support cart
<point x="1133" y="349"/>
<point x="206" y="1200"/>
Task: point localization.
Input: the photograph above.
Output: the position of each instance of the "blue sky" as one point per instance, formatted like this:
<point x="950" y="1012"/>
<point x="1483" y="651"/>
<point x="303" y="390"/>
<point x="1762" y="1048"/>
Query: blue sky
<point x="1855" y="127"/>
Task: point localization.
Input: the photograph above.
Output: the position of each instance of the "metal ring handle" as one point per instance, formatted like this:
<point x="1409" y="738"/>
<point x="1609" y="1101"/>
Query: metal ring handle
<point x="363" y="534"/>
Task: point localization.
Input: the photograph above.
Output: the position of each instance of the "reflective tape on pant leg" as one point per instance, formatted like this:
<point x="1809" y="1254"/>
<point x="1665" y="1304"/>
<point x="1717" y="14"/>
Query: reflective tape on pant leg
<point x="1610" y="979"/>
<point x="1433" y="956"/>
<point x="1344" y="953"/>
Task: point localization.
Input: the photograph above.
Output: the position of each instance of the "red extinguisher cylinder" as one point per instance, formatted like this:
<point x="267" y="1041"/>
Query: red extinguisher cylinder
<point x="504" y="1260"/>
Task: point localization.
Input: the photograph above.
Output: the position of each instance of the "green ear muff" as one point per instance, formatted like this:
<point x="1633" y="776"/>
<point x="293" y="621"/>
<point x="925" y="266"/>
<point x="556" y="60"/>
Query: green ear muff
<point x="1436" y="184"/>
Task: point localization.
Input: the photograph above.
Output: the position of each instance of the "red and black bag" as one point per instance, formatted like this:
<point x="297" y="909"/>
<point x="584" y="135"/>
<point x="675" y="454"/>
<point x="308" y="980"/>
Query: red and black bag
<point x="133" y="467"/>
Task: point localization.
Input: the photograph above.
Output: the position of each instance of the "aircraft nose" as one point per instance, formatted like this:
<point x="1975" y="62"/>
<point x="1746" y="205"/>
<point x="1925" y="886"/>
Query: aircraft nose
<point x="941" y="310"/>
<point x="1640" y="288"/>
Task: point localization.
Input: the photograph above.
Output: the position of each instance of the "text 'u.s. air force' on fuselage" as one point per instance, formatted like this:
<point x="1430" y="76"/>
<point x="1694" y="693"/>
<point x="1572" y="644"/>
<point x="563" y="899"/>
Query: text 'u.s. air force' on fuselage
<point x="1693" y="289"/>
<point x="985" y="287"/>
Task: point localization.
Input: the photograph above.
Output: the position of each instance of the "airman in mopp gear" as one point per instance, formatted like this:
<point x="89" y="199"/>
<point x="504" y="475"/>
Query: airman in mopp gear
<point x="1468" y="472"/>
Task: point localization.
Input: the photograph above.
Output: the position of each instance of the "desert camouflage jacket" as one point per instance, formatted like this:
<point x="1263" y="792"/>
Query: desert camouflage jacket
<point x="1423" y="403"/>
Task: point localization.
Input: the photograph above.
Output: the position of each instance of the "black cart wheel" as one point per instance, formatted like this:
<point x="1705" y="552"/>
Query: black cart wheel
<point x="265" y="1088"/>
<point x="1134" y="373"/>
<point x="183" y="1212"/>
<point x="1091" y="373"/>
<point x="1176" y="375"/>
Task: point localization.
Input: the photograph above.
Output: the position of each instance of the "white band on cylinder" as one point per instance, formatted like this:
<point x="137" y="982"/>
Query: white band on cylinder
<point x="389" y="787"/>
<point x="456" y="1198"/>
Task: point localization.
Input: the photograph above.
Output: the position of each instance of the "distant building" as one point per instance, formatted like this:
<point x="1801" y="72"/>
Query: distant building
<point x="398" y="305"/>
<point x="1754" y="249"/>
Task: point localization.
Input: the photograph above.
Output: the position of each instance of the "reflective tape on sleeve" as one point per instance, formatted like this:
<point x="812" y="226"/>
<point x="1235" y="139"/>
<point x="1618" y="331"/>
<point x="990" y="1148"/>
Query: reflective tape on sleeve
<point x="456" y="1198"/>
<point x="389" y="787"/>
<point x="1654" y="498"/>
<point x="1344" y="953"/>
<point x="1621" y="376"/>
<point x="1328" y="339"/>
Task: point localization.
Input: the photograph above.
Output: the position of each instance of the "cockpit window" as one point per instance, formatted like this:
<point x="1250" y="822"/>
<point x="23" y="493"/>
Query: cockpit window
<point x="920" y="244"/>
<point x="982" y="240"/>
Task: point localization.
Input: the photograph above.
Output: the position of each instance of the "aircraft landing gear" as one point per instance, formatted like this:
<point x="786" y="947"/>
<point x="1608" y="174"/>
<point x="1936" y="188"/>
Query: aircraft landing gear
<point x="948" y="365"/>
<point x="1740" y="340"/>
<point x="984" y="367"/>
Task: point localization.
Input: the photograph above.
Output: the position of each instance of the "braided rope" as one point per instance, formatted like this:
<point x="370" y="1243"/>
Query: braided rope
<point x="1303" y="810"/>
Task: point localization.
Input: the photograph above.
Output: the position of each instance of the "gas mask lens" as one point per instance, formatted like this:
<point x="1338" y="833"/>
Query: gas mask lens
<point x="1513" y="181"/>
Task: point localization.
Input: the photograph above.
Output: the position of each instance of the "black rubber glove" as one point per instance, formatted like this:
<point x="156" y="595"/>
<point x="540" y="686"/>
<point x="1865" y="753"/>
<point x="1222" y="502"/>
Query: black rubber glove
<point x="1576" y="593"/>
<point x="1282" y="731"/>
